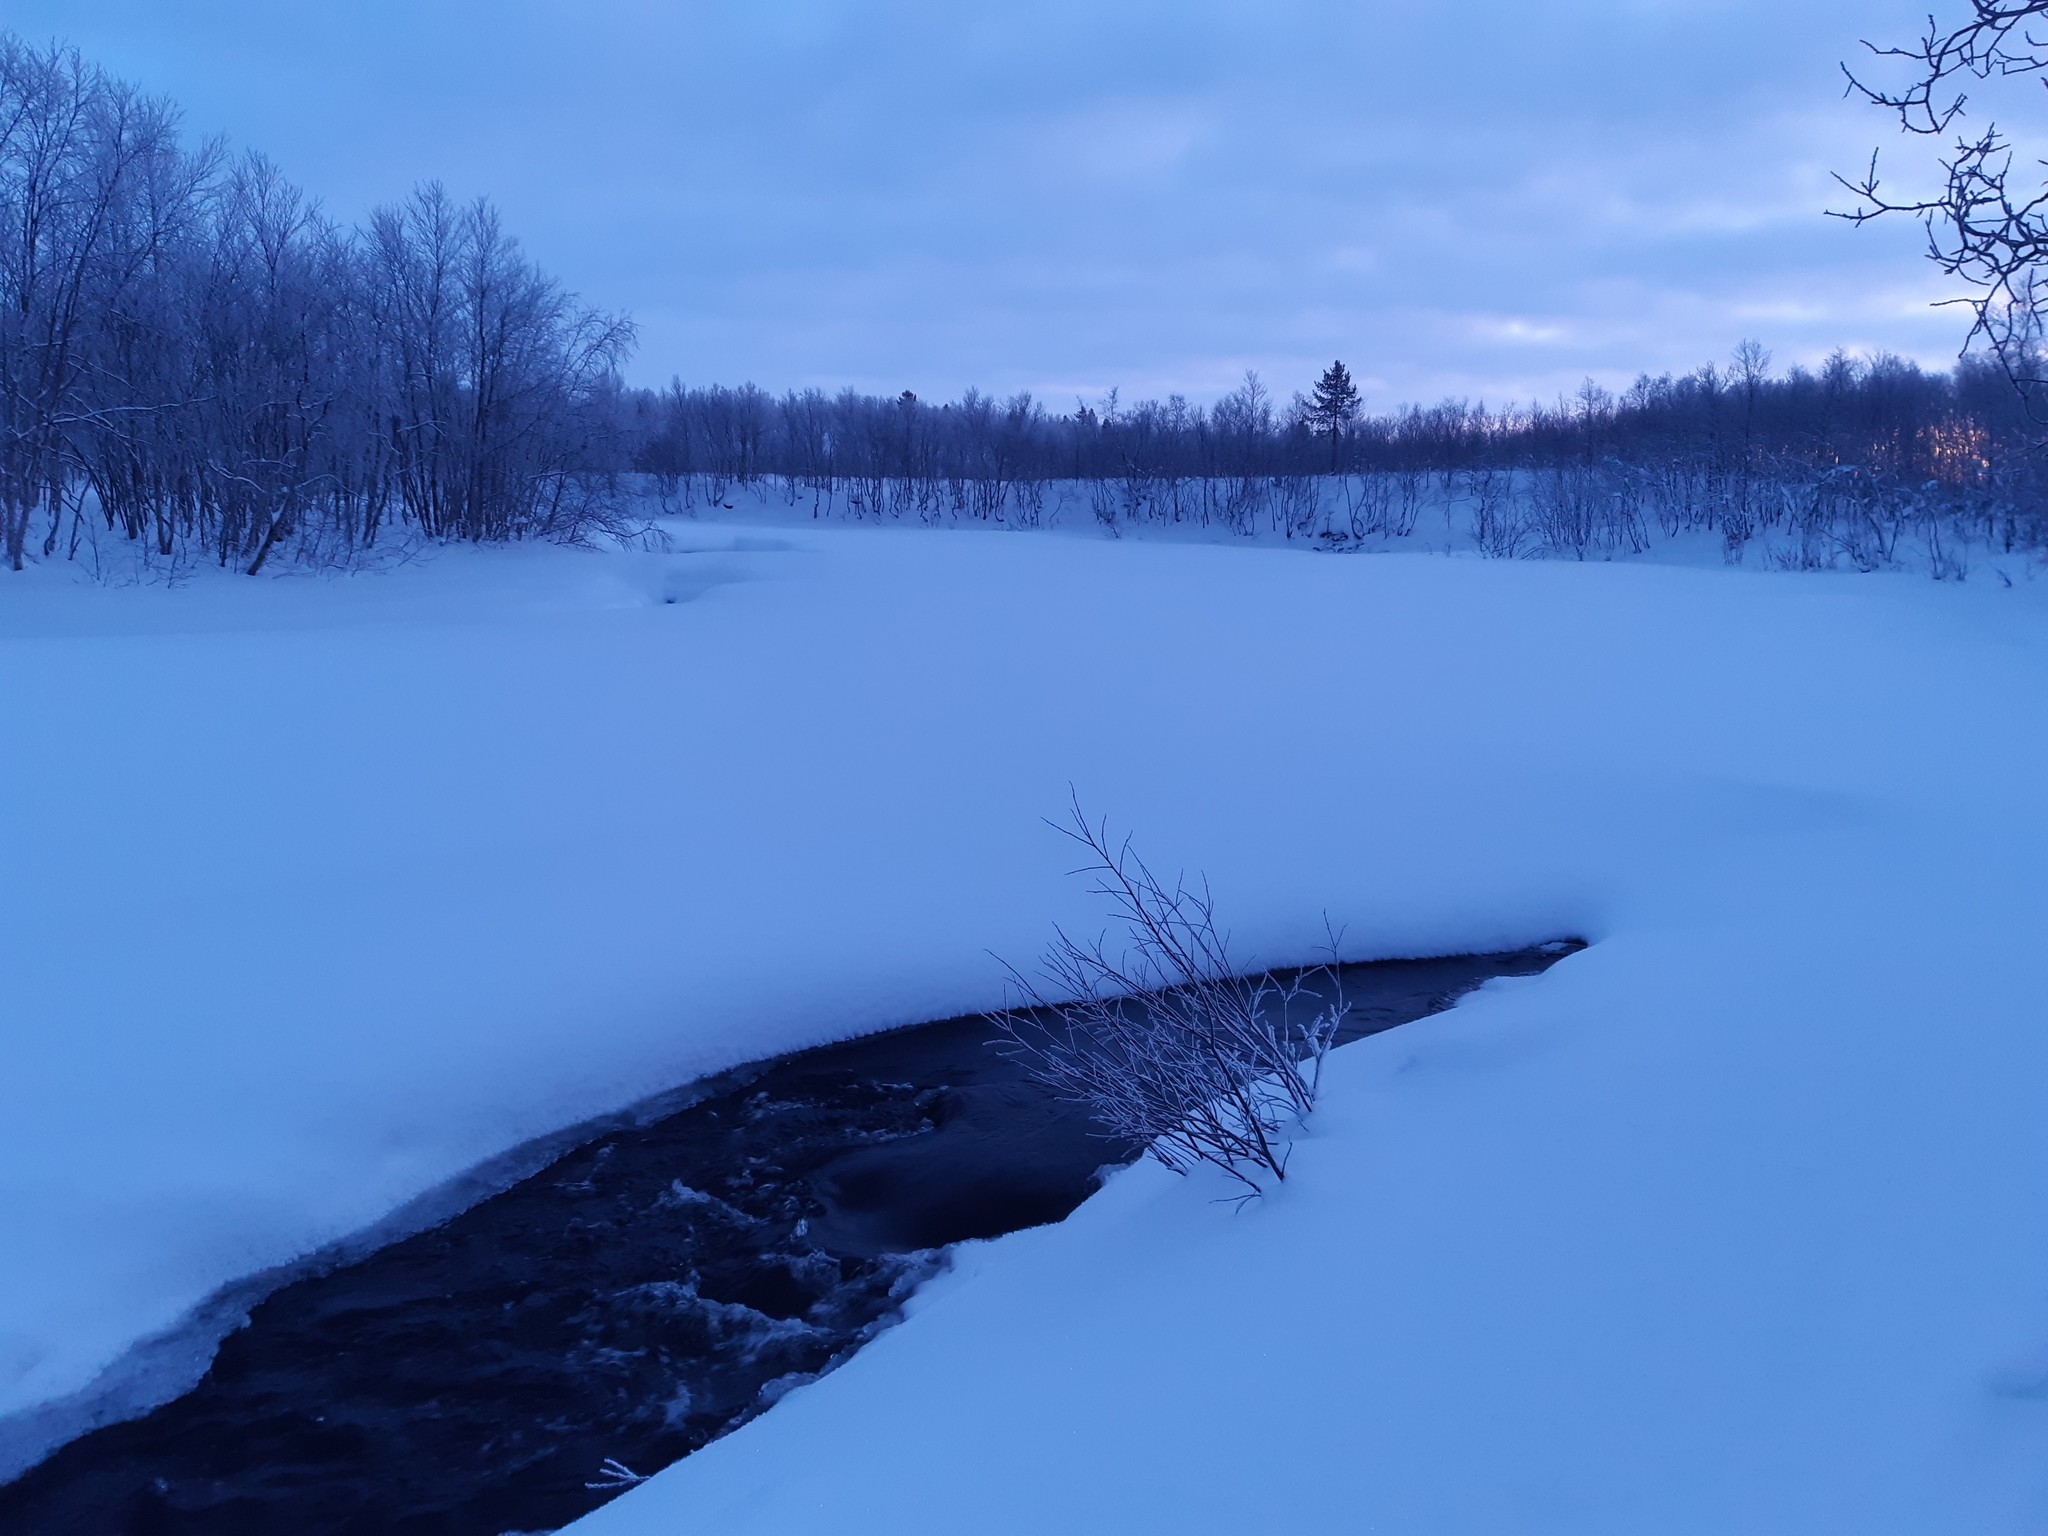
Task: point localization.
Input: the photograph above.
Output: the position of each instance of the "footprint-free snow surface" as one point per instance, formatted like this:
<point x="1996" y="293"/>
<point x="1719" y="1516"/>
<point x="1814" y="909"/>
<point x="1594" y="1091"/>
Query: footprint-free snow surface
<point x="315" y="893"/>
<point x="662" y="1282"/>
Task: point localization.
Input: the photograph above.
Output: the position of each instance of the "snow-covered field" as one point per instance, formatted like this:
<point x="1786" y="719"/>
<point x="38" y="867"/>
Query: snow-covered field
<point x="319" y="892"/>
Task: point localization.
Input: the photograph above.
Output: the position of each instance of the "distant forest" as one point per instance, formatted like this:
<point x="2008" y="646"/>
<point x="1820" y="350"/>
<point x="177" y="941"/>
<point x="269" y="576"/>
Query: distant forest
<point x="197" y="363"/>
<point x="1852" y="454"/>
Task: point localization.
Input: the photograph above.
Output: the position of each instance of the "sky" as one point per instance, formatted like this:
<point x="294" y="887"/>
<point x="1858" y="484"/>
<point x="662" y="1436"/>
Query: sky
<point x="1485" y="198"/>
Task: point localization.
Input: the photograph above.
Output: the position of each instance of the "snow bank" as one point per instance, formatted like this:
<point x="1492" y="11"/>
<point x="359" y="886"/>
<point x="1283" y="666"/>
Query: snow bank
<point x="1729" y="1224"/>
<point x="321" y="892"/>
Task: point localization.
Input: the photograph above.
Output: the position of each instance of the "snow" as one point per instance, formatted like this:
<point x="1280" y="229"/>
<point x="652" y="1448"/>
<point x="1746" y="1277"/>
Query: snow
<point x="320" y="892"/>
<point x="1683" y="1237"/>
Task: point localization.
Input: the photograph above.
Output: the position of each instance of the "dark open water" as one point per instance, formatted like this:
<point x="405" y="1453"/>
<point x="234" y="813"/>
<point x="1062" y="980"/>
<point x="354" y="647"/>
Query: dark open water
<point x="641" y="1295"/>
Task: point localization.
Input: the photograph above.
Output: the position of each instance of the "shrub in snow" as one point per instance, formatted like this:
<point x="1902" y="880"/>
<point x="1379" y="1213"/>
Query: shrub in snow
<point x="1163" y="1041"/>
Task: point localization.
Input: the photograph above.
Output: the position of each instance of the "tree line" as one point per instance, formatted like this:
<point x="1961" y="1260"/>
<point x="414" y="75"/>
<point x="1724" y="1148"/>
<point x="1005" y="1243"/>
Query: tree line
<point x="194" y="358"/>
<point x="196" y="361"/>
<point x="1735" y="448"/>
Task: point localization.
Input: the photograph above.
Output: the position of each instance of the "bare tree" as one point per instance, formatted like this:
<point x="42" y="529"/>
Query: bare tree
<point x="1162" y="1039"/>
<point x="76" y="152"/>
<point x="1988" y="223"/>
<point x="191" y="352"/>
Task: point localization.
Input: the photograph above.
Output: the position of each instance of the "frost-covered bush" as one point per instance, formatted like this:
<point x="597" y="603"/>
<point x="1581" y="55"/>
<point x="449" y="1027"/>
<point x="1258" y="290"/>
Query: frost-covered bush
<point x="1161" y="1038"/>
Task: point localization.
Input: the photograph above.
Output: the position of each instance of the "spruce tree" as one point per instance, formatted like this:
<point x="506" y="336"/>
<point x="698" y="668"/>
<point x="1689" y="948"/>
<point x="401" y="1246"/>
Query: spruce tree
<point x="1333" y="404"/>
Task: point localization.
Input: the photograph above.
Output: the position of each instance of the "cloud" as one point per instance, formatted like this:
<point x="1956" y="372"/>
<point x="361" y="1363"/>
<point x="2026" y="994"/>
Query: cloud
<point x="1482" y="199"/>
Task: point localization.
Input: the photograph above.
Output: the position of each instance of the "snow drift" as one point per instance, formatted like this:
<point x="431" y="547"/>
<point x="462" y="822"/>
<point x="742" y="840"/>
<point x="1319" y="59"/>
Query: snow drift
<point x="319" y="893"/>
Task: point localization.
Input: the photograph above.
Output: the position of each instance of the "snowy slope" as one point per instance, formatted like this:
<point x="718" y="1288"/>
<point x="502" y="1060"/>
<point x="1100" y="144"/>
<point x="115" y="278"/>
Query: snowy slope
<point x="318" y="893"/>
<point x="1708" y="1231"/>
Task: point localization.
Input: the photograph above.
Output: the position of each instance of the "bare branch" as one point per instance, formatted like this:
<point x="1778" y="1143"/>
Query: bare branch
<point x="1982" y="228"/>
<point x="1163" y="1041"/>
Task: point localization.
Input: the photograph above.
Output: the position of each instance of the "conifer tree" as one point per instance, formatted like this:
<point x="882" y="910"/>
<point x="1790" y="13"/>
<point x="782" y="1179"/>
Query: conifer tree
<point x="1333" y="405"/>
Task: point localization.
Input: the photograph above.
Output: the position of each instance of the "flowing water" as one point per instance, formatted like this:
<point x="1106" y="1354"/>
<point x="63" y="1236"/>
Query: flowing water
<point x="642" y="1294"/>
